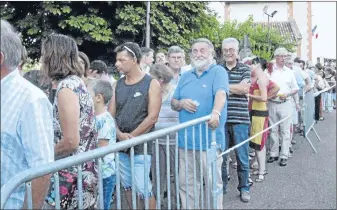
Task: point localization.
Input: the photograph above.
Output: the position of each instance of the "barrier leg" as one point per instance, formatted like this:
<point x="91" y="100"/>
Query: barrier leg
<point x="316" y="134"/>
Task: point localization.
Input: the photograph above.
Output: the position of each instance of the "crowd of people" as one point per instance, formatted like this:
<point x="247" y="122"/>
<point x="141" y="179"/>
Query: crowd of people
<point x="71" y="106"/>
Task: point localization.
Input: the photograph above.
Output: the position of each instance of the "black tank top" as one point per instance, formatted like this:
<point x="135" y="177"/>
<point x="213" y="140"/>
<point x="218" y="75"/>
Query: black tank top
<point x="132" y="107"/>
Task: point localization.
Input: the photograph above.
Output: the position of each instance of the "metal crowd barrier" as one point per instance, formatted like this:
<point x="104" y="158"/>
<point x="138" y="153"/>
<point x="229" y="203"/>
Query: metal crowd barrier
<point x="309" y="112"/>
<point x="327" y="97"/>
<point x="205" y="194"/>
<point x="27" y="176"/>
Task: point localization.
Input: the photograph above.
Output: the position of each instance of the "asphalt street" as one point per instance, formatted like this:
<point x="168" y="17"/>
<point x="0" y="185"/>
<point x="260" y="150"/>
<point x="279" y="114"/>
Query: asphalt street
<point x="307" y="182"/>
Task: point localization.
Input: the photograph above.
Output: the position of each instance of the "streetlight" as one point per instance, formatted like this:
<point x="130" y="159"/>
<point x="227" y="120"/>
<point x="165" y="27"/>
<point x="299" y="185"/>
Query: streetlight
<point x="265" y="11"/>
<point x="148" y="40"/>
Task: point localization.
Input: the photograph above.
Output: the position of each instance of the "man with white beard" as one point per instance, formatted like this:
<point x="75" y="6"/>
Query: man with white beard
<point x="200" y="92"/>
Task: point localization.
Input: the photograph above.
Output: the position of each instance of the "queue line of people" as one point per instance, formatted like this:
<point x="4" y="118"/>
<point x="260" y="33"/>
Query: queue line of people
<point x="90" y="109"/>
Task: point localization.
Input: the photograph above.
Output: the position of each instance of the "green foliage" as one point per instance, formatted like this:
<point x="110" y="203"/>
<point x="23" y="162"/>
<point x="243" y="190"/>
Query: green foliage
<point x="258" y="36"/>
<point x="31" y="65"/>
<point x="98" y="27"/>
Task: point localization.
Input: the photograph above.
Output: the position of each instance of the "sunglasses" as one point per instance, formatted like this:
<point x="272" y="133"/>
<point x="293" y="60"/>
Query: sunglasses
<point x="130" y="51"/>
<point x="256" y="61"/>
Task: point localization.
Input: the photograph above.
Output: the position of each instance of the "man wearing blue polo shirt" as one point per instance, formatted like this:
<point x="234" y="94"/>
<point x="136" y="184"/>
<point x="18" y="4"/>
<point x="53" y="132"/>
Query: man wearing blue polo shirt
<point x="200" y="92"/>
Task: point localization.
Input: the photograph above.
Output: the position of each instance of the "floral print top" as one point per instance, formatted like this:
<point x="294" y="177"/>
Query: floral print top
<point x="88" y="141"/>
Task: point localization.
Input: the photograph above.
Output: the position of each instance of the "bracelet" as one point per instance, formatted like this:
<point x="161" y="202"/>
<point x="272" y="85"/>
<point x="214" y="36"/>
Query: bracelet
<point x="217" y="112"/>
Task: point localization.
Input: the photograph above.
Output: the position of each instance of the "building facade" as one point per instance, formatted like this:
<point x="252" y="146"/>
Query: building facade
<point x="287" y="12"/>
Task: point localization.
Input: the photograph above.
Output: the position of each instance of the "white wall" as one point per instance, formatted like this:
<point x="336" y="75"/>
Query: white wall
<point x="300" y="16"/>
<point x="241" y="11"/>
<point x="324" y="15"/>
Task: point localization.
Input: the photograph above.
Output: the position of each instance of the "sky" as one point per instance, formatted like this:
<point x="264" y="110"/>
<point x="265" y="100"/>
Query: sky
<point x="324" y="16"/>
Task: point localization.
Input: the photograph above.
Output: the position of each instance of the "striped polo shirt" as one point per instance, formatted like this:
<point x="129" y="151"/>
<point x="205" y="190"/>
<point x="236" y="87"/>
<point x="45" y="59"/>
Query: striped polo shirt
<point x="237" y="111"/>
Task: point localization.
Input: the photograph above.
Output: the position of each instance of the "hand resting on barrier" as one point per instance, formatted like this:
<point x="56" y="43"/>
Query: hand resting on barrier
<point x="213" y="123"/>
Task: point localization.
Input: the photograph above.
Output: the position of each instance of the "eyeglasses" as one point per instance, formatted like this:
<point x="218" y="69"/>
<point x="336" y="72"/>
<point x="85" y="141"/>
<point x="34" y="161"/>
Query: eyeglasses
<point x="230" y="50"/>
<point x="129" y="50"/>
<point x="175" y="57"/>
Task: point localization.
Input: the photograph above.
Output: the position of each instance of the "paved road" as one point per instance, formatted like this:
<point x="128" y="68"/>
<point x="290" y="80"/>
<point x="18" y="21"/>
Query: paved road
<point x="307" y="182"/>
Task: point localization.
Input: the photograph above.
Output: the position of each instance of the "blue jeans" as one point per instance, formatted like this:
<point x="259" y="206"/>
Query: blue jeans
<point x="235" y="134"/>
<point x="109" y="184"/>
<point x="126" y="176"/>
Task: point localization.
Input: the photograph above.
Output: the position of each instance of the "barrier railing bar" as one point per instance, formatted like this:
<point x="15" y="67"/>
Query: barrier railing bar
<point x="201" y="169"/>
<point x="208" y="196"/>
<point x="79" y="187"/>
<point x="324" y="90"/>
<point x="186" y="169"/>
<point x="100" y="184"/>
<point x="146" y="178"/>
<point x="168" y="172"/>
<point x="32" y="173"/>
<point x="177" y="172"/>
<point x="133" y="181"/>
<point x="57" y="191"/>
<point x="194" y="169"/>
<point x="29" y="195"/>
<point x="157" y="174"/>
<point x="250" y="138"/>
<point x="118" y="182"/>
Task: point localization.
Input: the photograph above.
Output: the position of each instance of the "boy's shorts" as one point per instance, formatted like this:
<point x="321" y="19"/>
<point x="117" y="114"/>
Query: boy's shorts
<point x="125" y="173"/>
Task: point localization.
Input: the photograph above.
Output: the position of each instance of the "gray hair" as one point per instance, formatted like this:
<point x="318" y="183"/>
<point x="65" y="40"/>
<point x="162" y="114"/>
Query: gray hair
<point x="204" y="40"/>
<point x="230" y="40"/>
<point x="161" y="72"/>
<point x="175" y="49"/>
<point x="10" y="46"/>
<point x="102" y="87"/>
<point x="6" y="27"/>
<point x="281" y="51"/>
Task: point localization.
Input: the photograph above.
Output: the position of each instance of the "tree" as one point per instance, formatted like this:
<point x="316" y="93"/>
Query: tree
<point x="217" y="32"/>
<point x="98" y="27"/>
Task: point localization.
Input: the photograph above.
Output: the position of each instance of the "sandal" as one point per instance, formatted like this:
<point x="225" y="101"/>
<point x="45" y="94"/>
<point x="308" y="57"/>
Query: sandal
<point x="260" y="177"/>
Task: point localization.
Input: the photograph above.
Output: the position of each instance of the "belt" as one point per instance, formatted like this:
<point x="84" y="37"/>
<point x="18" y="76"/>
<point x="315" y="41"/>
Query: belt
<point x="278" y="102"/>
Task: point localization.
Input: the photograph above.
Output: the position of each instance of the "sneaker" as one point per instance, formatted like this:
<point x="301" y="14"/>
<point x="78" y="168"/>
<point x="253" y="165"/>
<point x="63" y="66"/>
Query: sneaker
<point x="293" y="141"/>
<point x="245" y="196"/>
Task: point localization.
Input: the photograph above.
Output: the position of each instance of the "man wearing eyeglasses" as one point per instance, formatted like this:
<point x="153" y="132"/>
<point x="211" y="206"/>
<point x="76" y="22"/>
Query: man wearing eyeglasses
<point x="280" y="107"/>
<point x="135" y="105"/>
<point x="176" y="60"/>
<point x="237" y="125"/>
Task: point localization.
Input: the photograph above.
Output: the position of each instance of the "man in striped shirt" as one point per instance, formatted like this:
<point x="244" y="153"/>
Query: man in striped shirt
<point x="237" y="125"/>
<point x="26" y="124"/>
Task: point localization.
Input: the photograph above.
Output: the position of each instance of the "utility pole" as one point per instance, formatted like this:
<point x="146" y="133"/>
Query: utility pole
<point x="265" y="11"/>
<point x="268" y="34"/>
<point x="148" y="8"/>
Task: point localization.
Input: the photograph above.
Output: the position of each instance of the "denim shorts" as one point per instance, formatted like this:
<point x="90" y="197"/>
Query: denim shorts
<point x="126" y="178"/>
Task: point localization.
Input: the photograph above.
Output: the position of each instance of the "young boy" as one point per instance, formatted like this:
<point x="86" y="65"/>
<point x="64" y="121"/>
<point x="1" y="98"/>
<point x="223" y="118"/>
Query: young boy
<point x="101" y="92"/>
